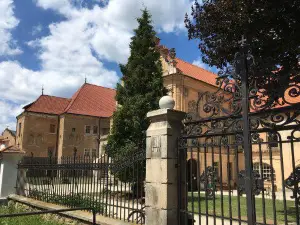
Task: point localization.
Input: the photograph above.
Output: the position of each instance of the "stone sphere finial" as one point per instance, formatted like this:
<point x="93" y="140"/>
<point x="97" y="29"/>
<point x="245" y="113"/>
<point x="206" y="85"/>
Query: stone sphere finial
<point x="166" y="102"/>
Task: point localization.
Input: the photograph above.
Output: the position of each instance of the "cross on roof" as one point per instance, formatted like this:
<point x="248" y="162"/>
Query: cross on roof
<point x="243" y="41"/>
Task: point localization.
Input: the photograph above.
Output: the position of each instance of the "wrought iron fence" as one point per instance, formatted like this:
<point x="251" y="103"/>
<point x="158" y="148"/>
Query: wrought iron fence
<point x="240" y="152"/>
<point x="113" y="188"/>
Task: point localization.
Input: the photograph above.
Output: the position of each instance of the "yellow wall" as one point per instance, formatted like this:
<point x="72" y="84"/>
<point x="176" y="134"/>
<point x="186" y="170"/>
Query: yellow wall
<point x="79" y="139"/>
<point x="35" y="136"/>
<point x="185" y="90"/>
<point x="281" y="157"/>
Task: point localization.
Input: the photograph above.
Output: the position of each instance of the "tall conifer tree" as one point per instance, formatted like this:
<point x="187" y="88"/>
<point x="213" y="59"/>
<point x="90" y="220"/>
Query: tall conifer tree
<point x="139" y="93"/>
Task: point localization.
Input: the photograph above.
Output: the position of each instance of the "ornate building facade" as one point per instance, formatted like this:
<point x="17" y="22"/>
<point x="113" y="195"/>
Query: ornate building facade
<point x="60" y="125"/>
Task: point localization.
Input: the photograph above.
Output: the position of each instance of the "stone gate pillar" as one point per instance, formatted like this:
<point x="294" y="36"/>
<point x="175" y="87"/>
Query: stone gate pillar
<point x="161" y="165"/>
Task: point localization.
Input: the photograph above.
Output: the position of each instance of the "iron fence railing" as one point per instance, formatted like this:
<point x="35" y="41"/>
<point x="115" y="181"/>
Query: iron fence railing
<point x="239" y="152"/>
<point x="113" y="188"/>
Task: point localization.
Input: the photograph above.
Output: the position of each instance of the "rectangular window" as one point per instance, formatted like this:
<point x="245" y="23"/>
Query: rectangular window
<point x="86" y="152"/>
<point x="95" y="130"/>
<point x="52" y="128"/>
<point x="105" y="131"/>
<point x="51" y="151"/>
<point x="94" y="152"/>
<point x="87" y="129"/>
<point x="186" y="92"/>
<point x="20" y="127"/>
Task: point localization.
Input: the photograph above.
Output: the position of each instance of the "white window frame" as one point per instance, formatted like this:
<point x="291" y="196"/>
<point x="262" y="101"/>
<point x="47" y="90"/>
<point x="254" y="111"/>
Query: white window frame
<point x="267" y="170"/>
<point x="85" y="129"/>
<point x="87" y="150"/>
<point x="90" y="152"/>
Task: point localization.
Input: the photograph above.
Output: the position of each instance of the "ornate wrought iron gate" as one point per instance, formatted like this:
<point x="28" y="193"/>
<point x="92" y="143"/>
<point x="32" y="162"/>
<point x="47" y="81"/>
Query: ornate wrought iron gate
<point x="240" y="151"/>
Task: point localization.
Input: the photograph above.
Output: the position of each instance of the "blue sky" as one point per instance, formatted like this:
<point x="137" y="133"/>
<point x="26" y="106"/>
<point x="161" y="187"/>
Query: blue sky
<point x="57" y="43"/>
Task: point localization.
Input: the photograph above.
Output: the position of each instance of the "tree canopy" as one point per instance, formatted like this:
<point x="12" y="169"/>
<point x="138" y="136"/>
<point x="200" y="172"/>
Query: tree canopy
<point x="272" y="31"/>
<point x="140" y="91"/>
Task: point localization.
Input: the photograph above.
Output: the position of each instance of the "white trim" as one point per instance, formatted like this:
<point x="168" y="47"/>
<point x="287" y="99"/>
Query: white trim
<point x="88" y="150"/>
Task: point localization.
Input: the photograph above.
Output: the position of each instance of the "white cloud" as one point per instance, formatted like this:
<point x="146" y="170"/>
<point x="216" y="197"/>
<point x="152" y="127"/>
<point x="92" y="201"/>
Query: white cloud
<point x="200" y="63"/>
<point x="36" y="29"/>
<point x="76" y="46"/>
<point x="62" y="6"/>
<point x="23" y="86"/>
<point x="7" y="22"/>
<point x="7" y="112"/>
<point x="108" y="30"/>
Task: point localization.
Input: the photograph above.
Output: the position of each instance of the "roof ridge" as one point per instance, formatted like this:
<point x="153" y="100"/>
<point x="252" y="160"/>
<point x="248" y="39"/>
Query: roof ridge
<point x="10" y="131"/>
<point x="55" y="96"/>
<point x="73" y="99"/>
<point x="196" y="66"/>
<point x="30" y="104"/>
<point x="101" y="86"/>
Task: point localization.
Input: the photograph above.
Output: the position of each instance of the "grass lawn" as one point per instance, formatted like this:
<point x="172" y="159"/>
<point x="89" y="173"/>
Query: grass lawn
<point x="23" y="220"/>
<point x="291" y="210"/>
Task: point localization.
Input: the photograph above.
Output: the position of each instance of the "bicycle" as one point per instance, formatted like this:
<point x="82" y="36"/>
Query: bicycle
<point x="138" y="215"/>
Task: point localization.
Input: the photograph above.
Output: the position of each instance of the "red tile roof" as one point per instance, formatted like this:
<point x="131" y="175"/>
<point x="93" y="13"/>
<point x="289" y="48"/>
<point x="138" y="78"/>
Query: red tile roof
<point x="93" y="100"/>
<point x="196" y="72"/>
<point x="90" y="100"/>
<point x="48" y="104"/>
<point x="186" y="68"/>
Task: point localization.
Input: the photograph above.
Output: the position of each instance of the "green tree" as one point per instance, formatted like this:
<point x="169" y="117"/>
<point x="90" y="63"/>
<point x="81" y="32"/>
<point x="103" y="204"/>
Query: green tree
<point x="139" y="93"/>
<point x="271" y="28"/>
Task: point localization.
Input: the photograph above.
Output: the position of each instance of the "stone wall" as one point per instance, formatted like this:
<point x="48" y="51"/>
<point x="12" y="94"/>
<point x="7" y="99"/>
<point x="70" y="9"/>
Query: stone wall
<point x="35" y="136"/>
<point x="73" y="135"/>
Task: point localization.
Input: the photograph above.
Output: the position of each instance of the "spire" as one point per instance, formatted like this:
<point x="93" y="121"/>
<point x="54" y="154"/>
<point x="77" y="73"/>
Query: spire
<point x="85" y="80"/>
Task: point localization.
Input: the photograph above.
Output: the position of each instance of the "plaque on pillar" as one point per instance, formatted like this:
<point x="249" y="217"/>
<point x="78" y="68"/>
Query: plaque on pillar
<point x="155" y="146"/>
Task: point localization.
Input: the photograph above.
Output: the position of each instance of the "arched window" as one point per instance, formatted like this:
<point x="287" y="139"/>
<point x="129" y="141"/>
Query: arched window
<point x="266" y="169"/>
